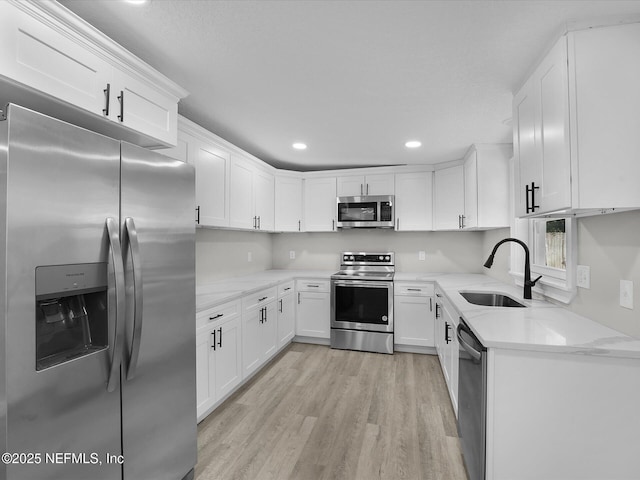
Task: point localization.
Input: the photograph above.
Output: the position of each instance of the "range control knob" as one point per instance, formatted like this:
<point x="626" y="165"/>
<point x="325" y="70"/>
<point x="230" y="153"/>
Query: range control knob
<point x="387" y="258"/>
<point x="381" y="257"/>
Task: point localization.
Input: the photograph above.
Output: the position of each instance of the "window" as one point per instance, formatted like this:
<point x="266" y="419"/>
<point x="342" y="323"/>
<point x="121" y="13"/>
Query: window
<point x="550" y="244"/>
<point x="553" y="254"/>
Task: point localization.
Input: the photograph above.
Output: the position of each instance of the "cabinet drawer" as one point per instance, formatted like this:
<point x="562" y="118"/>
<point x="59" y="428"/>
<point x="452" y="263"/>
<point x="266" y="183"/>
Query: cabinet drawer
<point x="222" y="312"/>
<point x="285" y="288"/>
<point x="313" y="285"/>
<point x="259" y="299"/>
<point x="414" y="289"/>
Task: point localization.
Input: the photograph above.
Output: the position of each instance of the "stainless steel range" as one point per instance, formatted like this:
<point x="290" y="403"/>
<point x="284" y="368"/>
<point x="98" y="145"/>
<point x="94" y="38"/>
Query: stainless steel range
<point x="362" y="302"/>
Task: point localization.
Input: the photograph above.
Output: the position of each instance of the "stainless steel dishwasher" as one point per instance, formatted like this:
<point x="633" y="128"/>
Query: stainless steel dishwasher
<point x="472" y="400"/>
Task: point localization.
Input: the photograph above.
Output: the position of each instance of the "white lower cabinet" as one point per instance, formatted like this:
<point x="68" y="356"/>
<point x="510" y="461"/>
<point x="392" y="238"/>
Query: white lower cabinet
<point x="447" y="345"/>
<point x="286" y="313"/>
<point x="413" y="314"/>
<point x="259" y="329"/>
<point x="218" y="355"/>
<point x="313" y="308"/>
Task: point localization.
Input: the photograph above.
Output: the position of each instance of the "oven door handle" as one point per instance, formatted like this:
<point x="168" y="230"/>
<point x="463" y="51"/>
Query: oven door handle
<point x="359" y="283"/>
<point x="475" y="354"/>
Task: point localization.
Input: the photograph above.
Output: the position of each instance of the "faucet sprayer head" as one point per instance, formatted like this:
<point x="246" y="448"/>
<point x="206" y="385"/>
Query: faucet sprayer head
<point x="489" y="261"/>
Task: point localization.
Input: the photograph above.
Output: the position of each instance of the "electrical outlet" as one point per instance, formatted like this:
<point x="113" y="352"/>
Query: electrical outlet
<point x="292" y="254"/>
<point x="249" y="257"/>
<point x="626" y="294"/>
<point x="421" y="255"/>
<point x="583" y="276"/>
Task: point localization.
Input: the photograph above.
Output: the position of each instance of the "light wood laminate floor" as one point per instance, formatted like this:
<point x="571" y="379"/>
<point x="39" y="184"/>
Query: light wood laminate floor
<point x="317" y="413"/>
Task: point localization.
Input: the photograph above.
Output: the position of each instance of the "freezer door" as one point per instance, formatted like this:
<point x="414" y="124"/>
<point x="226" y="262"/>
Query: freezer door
<point x="61" y="184"/>
<point x="158" y="382"/>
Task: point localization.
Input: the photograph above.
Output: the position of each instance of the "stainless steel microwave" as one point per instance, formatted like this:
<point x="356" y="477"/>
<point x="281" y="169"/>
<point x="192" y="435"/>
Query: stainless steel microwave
<point x="370" y="211"/>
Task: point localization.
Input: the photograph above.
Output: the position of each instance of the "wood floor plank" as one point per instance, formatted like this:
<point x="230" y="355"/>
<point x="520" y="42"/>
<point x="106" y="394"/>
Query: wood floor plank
<point x="316" y="413"/>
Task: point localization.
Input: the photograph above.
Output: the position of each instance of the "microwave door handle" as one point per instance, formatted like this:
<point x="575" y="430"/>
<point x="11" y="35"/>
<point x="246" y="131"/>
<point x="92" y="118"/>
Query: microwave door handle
<point x="116" y="316"/>
<point x="134" y="244"/>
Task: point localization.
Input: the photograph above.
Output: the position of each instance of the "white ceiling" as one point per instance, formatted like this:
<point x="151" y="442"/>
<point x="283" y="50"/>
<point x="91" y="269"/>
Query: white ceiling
<point x="352" y="79"/>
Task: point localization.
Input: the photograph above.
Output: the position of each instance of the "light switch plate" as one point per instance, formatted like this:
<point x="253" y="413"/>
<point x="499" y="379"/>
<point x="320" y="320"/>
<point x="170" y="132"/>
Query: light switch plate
<point x="249" y="257"/>
<point x="626" y="294"/>
<point x="292" y="254"/>
<point x="422" y="255"/>
<point x="583" y="276"/>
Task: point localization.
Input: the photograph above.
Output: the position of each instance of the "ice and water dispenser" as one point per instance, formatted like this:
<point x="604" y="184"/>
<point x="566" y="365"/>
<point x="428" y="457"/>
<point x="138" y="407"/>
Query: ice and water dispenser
<point x="71" y="312"/>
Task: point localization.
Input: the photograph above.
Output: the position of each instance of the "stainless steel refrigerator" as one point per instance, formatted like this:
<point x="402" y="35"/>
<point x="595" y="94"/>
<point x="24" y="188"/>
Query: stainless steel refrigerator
<point x="97" y="291"/>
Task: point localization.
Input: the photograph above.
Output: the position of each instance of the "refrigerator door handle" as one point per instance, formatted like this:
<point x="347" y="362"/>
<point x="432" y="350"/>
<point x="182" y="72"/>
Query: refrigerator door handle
<point x="132" y="235"/>
<point x="118" y="315"/>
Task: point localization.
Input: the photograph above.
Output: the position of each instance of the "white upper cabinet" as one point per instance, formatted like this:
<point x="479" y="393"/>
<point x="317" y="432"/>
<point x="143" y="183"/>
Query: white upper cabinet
<point x="212" y="161"/>
<point x="46" y="48"/>
<point x="448" y="207"/>
<point x="320" y="204"/>
<point x="251" y="199"/>
<point x="414" y="201"/>
<point x="576" y="124"/>
<point x="357" y="185"/>
<point x="264" y="199"/>
<point x="486" y="187"/>
<point x="288" y="203"/>
<point x="541" y="137"/>
<point x="241" y="195"/>
<point x="212" y="184"/>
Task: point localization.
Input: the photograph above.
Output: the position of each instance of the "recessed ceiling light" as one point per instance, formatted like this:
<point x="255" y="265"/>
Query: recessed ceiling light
<point x="299" y="146"/>
<point x="413" y="144"/>
<point x="136" y="2"/>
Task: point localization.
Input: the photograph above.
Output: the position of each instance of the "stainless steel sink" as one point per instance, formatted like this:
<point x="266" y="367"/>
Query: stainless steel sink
<point x="489" y="299"/>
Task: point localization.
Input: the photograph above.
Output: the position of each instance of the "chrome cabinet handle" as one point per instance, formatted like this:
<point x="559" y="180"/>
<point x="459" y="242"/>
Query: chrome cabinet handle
<point x="216" y="316"/>
<point x="414" y="289"/>
<point x="398" y="223"/>
<point x="299" y="225"/>
<point x="361" y="189"/>
<point x="280" y="305"/>
<point x="121" y="99"/>
<point x="118" y="317"/>
<point x="298" y="298"/>
<point x="198" y="215"/>
<point x="107" y="94"/>
<point x="220" y="340"/>
<point x="430" y="304"/>
<point x="136" y="263"/>
<point x="262" y="299"/>
<point x="447" y="338"/>
<point x="213" y="344"/>
<point x="367" y="189"/>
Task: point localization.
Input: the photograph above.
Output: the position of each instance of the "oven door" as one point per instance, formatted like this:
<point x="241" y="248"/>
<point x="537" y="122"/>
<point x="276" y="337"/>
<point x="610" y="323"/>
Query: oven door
<point x="362" y="305"/>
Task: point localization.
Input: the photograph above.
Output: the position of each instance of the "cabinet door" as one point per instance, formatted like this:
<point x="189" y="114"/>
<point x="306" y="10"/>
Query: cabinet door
<point x="286" y="319"/>
<point x="141" y="107"/>
<point x="320" y="204"/>
<point x="351" y="186"/>
<point x="379" y="184"/>
<point x="414" y="201"/>
<point x="525" y="148"/>
<point x="471" y="190"/>
<point x="288" y="200"/>
<point x="241" y="195"/>
<point x="605" y="75"/>
<point x="269" y="332"/>
<point x="449" y="198"/>
<point x="553" y="120"/>
<point x="212" y="184"/>
<point x="413" y="321"/>
<point x="36" y="55"/>
<point x="228" y="358"/>
<point x="312" y="317"/>
<point x="205" y="377"/>
<point x="251" y="340"/>
<point x="263" y="188"/>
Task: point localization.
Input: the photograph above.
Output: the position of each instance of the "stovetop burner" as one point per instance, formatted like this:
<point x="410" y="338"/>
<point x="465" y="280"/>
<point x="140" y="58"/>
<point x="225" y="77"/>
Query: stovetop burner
<point x="366" y="266"/>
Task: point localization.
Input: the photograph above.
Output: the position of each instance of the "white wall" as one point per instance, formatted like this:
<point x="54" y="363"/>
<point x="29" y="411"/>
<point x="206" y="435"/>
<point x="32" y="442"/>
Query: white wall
<point x="445" y="251"/>
<point x="222" y="254"/>
<point x="610" y="245"/>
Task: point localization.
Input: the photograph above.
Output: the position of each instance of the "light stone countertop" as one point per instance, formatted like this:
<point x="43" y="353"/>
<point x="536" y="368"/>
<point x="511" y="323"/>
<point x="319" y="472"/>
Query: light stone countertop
<point x="541" y="326"/>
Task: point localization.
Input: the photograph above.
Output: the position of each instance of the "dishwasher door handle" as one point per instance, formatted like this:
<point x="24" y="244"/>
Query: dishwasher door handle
<point x="475" y="354"/>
